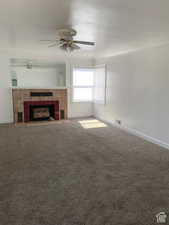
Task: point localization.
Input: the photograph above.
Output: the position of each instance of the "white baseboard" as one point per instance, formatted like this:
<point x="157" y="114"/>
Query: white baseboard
<point x="6" y="122"/>
<point x="137" y="133"/>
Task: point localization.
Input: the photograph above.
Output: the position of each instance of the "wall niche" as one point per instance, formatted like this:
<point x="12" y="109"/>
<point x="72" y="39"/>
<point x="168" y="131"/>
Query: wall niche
<point x="26" y="73"/>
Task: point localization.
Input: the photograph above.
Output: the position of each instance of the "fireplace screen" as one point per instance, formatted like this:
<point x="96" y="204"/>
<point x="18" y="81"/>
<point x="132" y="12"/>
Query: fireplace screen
<point x="40" y="112"/>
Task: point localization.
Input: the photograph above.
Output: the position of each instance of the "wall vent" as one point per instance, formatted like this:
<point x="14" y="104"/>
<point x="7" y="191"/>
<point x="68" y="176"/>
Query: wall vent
<point x="62" y="114"/>
<point x="118" y="122"/>
<point x="20" y="117"/>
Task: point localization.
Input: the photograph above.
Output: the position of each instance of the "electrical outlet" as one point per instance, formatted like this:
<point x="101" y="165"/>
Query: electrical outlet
<point x="118" y="122"/>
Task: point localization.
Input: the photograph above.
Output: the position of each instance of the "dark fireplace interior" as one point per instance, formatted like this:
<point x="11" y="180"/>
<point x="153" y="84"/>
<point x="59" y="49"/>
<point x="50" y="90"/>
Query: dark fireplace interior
<point x="42" y="112"/>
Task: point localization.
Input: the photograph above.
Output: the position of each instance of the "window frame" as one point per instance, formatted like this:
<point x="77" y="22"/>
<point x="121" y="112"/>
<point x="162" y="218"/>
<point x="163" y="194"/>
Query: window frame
<point x="104" y="101"/>
<point x="82" y="86"/>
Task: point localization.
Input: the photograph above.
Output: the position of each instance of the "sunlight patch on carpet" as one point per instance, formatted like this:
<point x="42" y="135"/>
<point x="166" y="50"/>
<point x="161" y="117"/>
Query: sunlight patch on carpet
<point x="88" y="124"/>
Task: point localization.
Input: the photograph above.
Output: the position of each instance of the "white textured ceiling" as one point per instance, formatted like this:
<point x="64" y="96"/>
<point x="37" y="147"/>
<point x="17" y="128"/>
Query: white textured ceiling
<point x="115" y="25"/>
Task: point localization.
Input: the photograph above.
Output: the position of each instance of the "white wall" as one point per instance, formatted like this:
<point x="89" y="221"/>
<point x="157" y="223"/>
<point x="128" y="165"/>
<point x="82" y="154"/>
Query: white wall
<point x="40" y="76"/>
<point x="138" y="91"/>
<point x="6" y="110"/>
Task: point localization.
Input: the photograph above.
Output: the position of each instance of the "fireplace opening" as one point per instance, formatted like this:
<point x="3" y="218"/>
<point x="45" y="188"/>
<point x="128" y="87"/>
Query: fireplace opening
<point x="42" y="112"/>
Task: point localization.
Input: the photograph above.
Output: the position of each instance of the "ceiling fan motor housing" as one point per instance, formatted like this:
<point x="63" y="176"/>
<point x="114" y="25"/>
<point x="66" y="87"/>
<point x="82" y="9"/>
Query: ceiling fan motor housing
<point x="67" y="33"/>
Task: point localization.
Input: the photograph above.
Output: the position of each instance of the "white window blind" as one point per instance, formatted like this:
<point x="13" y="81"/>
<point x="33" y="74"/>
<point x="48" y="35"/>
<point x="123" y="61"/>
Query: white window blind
<point x="83" y="82"/>
<point x="100" y="84"/>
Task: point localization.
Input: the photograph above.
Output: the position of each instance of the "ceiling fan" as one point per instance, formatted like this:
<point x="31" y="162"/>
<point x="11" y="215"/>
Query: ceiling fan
<point x="65" y="41"/>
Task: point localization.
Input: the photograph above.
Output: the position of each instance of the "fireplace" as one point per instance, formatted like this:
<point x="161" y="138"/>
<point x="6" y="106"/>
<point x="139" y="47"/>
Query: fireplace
<point x="41" y="110"/>
<point x="53" y="101"/>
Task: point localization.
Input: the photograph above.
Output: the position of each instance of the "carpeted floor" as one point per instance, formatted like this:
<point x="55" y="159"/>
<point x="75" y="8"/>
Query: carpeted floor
<point x="63" y="174"/>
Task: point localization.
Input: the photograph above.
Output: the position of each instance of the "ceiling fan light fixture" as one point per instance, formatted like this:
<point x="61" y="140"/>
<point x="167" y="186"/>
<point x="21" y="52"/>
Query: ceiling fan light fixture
<point x="70" y="49"/>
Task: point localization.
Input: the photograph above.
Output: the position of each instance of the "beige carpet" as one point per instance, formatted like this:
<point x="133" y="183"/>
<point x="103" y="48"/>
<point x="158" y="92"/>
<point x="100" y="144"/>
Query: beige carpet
<point x="65" y="174"/>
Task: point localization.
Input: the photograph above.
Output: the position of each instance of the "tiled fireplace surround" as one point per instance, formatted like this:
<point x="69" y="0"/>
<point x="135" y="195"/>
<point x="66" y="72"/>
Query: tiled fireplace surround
<point x="22" y="100"/>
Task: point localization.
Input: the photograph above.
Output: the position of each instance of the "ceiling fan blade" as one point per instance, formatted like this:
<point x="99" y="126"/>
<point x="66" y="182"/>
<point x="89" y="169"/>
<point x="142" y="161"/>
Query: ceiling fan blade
<point x="50" y="40"/>
<point x="61" y="44"/>
<point x="53" y="45"/>
<point x="74" y="46"/>
<point x="84" y="42"/>
<point x="47" y="40"/>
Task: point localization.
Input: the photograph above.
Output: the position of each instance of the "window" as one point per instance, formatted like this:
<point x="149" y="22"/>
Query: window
<point x="83" y="80"/>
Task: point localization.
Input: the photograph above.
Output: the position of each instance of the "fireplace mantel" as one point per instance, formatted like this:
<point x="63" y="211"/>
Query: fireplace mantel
<point x="23" y="95"/>
<point x="39" y="88"/>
